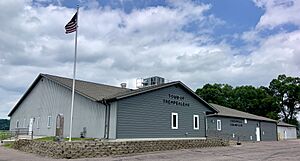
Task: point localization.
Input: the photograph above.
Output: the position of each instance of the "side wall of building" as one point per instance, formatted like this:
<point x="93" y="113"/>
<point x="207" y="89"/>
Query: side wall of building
<point x="48" y="99"/>
<point x="285" y="133"/>
<point x="113" y="120"/>
<point x="243" y="129"/>
<point x="148" y="115"/>
<point x="232" y="128"/>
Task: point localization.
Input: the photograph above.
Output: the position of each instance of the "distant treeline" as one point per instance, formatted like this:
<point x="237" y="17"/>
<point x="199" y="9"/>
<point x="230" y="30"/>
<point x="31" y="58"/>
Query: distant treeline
<point x="4" y="124"/>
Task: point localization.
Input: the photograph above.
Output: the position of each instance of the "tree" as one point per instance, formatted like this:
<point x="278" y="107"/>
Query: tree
<point x="249" y="99"/>
<point x="216" y="93"/>
<point x="4" y="124"/>
<point x="286" y="91"/>
<point x="256" y="101"/>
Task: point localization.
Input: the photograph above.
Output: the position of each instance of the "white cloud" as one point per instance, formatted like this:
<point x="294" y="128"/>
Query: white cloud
<point x="282" y="50"/>
<point x="278" y="12"/>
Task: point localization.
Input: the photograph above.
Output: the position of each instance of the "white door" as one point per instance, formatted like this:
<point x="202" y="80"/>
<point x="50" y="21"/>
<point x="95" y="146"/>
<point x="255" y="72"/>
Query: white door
<point x="30" y="124"/>
<point x="30" y="128"/>
<point x="285" y="135"/>
<point x="257" y="134"/>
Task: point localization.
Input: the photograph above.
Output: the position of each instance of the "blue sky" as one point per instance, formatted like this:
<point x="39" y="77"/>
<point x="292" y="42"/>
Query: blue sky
<point x="238" y="15"/>
<point x="239" y="42"/>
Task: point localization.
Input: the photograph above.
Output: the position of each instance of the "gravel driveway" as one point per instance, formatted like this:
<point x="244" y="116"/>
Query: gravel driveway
<point x="264" y="151"/>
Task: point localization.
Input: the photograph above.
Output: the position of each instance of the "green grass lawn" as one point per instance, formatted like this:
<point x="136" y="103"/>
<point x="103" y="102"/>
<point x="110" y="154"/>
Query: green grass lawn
<point x="48" y="138"/>
<point x="8" y="145"/>
<point x="4" y="135"/>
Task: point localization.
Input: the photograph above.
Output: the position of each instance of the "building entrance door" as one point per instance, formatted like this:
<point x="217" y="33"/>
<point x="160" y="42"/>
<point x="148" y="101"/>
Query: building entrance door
<point x="59" y="132"/>
<point x="285" y="135"/>
<point x="257" y="134"/>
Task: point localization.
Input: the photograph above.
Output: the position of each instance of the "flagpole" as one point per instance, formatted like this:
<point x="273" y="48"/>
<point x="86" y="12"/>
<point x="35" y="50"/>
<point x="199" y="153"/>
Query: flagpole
<point x="74" y="74"/>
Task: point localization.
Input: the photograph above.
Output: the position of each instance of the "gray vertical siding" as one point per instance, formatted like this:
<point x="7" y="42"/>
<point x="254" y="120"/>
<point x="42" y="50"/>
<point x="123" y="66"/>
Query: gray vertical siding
<point x="290" y="132"/>
<point x="268" y="131"/>
<point x="50" y="99"/>
<point x="113" y="121"/>
<point x="147" y="116"/>
<point x="244" y="131"/>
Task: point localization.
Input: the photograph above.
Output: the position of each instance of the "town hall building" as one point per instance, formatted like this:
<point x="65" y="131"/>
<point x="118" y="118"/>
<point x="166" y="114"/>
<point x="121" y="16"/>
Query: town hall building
<point x="156" y="111"/>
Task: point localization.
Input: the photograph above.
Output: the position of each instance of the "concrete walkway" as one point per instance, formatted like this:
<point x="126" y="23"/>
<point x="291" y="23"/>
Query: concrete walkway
<point x="262" y="151"/>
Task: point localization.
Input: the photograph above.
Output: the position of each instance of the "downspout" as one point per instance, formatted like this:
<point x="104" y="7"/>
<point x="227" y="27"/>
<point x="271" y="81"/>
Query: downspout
<point x="106" y="119"/>
<point x="205" y="124"/>
<point x="105" y="116"/>
<point x="277" y="139"/>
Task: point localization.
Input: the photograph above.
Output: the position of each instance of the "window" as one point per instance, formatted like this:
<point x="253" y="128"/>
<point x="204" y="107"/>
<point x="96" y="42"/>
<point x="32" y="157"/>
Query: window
<point x="17" y="124"/>
<point x="174" y="120"/>
<point x="38" y="122"/>
<point x="219" y="126"/>
<point x="196" y="122"/>
<point x="49" y="121"/>
<point x="245" y="121"/>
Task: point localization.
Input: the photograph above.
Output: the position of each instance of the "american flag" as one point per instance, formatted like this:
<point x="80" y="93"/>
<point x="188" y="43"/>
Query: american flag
<point x="72" y="25"/>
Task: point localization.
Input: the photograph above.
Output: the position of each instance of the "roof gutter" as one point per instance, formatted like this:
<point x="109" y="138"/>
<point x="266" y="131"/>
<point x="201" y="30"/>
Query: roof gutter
<point x="217" y="114"/>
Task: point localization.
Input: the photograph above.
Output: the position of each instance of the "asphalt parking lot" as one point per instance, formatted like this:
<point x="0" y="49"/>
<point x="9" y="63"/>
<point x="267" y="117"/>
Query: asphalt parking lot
<point x="262" y="151"/>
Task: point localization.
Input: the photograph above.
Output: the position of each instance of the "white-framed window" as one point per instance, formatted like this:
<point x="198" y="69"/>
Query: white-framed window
<point x="17" y="124"/>
<point x="49" y="121"/>
<point x="196" y="122"/>
<point x="174" y="120"/>
<point x="24" y="123"/>
<point x="219" y="125"/>
<point x="245" y="121"/>
<point x="38" y="122"/>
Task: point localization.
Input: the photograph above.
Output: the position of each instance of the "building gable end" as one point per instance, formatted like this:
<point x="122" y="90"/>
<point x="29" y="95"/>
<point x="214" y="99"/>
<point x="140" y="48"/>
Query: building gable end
<point x="33" y="85"/>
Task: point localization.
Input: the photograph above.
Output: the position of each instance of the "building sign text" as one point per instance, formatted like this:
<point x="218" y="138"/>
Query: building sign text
<point x="176" y="100"/>
<point x="236" y="123"/>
